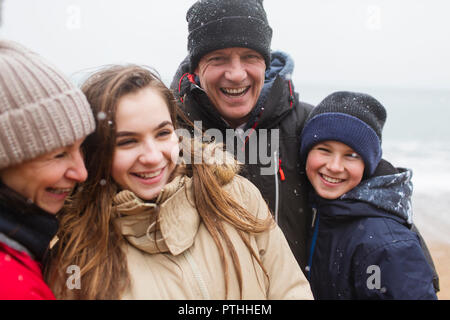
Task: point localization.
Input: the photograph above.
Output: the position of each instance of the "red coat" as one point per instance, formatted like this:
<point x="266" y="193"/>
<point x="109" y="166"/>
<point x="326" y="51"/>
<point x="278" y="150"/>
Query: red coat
<point x="21" y="277"/>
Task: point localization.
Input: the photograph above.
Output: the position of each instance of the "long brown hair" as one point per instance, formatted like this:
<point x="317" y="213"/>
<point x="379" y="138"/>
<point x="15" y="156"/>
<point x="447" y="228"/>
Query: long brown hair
<point x="88" y="236"/>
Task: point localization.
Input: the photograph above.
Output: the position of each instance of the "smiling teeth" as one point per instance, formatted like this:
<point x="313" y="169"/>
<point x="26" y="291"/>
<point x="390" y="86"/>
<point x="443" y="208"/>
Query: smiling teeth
<point x="148" y="175"/>
<point x="60" y="191"/>
<point x="234" y="91"/>
<point x="331" y="180"/>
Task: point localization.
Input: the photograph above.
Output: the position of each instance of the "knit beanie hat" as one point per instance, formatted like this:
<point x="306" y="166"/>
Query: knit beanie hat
<point x="355" y="119"/>
<point x="40" y="110"/>
<point x="219" y="24"/>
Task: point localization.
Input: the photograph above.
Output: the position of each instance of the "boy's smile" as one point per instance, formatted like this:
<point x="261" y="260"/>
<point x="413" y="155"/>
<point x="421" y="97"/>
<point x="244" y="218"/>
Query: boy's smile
<point x="333" y="168"/>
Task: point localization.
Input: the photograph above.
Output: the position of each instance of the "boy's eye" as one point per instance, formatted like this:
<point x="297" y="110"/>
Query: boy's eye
<point x="353" y="155"/>
<point x="322" y="149"/>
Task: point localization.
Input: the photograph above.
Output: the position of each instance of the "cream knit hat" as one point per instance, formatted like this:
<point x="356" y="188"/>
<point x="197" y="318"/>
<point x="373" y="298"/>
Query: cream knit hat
<point x="40" y="110"/>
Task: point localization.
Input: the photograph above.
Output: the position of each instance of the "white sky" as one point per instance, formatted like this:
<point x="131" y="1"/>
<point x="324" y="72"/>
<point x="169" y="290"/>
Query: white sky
<point x="398" y="43"/>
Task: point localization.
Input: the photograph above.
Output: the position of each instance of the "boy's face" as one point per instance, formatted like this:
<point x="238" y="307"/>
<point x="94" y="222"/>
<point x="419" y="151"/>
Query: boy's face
<point x="333" y="168"/>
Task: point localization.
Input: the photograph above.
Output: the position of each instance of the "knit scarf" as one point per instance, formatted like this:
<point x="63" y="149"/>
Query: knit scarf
<point x="24" y="225"/>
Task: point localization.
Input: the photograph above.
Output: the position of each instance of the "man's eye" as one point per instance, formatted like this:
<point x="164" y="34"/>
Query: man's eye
<point x="215" y="59"/>
<point x="323" y="149"/>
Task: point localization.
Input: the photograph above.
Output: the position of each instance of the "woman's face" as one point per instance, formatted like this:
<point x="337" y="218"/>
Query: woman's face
<point x="147" y="148"/>
<point x="48" y="179"/>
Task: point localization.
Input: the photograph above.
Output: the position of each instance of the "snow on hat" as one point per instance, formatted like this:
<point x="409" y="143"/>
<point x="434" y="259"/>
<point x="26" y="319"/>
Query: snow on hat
<point x="355" y="119"/>
<point x="40" y="110"/>
<point x="219" y="24"/>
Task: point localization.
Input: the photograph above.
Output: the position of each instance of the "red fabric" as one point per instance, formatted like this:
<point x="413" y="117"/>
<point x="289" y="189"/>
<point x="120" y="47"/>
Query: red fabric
<point x="21" y="277"/>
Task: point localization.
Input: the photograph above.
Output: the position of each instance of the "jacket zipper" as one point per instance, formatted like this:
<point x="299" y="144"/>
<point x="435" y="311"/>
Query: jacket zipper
<point x="197" y="275"/>
<point x="275" y="159"/>
<point x="315" y="225"/>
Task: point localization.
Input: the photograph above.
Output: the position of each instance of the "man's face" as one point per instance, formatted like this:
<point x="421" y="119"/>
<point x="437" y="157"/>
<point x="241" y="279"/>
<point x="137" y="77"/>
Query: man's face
<point x="232" y="78"/>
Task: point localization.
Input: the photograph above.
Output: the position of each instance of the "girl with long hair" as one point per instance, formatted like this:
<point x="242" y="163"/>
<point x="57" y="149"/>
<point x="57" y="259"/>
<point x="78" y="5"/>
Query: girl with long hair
<point x="148" y="225"/>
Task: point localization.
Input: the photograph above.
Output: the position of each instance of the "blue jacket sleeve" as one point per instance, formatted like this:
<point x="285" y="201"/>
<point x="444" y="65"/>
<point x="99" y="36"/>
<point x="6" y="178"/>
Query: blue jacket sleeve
<point x="397" y="270"/>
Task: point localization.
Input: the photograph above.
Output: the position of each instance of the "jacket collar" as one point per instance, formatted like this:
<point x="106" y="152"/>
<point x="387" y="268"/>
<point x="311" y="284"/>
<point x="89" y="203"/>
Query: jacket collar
<point x="391" y="193"/>
<point x="167" y="225"/>
<point x="382" y="196"/>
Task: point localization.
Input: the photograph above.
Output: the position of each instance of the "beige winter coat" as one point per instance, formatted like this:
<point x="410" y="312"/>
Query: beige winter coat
<point x="184" y="262"/>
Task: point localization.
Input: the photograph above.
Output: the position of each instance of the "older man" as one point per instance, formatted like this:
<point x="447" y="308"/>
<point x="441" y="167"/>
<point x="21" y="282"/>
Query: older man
<point x="232" y="82"/>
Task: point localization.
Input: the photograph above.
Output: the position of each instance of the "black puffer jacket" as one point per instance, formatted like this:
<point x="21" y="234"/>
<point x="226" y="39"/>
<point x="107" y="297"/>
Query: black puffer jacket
<point x="278" y="108"/>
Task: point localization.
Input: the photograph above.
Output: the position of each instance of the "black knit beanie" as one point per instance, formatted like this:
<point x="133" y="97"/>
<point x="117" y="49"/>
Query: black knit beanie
<point x="355" y="119"/>
<point x="219" y="24"/>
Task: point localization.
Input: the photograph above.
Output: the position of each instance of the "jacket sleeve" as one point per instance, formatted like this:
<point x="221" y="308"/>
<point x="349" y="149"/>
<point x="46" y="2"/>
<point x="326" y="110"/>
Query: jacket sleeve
<point x="21" y="278"/>
<point x="398" y="270"/>
<point x="286" y="280"/>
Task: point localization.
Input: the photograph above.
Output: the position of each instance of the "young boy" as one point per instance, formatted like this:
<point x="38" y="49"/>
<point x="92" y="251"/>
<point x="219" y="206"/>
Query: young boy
<point x="361" y="245"/>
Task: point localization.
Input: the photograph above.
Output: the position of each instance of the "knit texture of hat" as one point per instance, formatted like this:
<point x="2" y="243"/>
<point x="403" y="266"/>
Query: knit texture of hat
<point x="40" y="110"/>
<point x="355" y="119"/>
<point x="219" y="24"/>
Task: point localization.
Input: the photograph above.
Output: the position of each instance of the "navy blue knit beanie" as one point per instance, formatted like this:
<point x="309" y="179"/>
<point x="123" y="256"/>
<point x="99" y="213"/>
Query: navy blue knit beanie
<point x="219" y="24"/>
<point x="355" y="119"/>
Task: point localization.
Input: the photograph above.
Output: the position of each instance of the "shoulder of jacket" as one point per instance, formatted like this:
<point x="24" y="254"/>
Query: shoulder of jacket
<point x="247" y="195"/>
<point x="243" y="186"/>
<point x="383" y="235"/>
<point x="20" y="277"/>
<point x="296" y="119"/>
<point x="302" y="109"/>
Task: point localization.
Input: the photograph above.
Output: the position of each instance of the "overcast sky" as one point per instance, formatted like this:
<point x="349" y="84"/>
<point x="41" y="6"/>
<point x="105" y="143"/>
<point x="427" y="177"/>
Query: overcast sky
<point x="399" y="43"/>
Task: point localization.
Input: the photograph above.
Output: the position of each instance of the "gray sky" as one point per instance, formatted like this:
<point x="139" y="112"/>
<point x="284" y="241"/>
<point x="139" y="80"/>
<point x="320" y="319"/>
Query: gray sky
<point x="401" y="43"/>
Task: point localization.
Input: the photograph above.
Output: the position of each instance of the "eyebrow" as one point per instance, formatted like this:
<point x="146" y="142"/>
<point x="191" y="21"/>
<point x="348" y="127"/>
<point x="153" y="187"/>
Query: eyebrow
<point x="130" y="133"/>
<point x="347" y="150"/>
<point x="324" y="143"/>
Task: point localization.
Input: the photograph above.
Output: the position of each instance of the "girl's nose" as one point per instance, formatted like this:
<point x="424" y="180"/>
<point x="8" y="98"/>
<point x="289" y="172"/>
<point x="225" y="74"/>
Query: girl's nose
<point x="150" y="154"/>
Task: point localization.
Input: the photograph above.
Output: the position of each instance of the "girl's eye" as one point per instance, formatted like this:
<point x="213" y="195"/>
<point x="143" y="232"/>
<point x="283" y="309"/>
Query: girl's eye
<point x="125" y="142"/>
<point x="164" y="133"/>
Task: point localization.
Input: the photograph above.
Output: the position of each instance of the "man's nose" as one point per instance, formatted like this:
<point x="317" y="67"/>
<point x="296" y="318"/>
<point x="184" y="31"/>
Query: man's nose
<point x="236" y="71"/>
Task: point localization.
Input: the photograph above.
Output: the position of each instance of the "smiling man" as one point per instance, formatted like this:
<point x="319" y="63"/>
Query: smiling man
<point x="231" y="81"/>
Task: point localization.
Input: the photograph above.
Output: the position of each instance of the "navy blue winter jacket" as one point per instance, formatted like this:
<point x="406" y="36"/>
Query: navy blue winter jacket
<point x="361" y="246"/>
